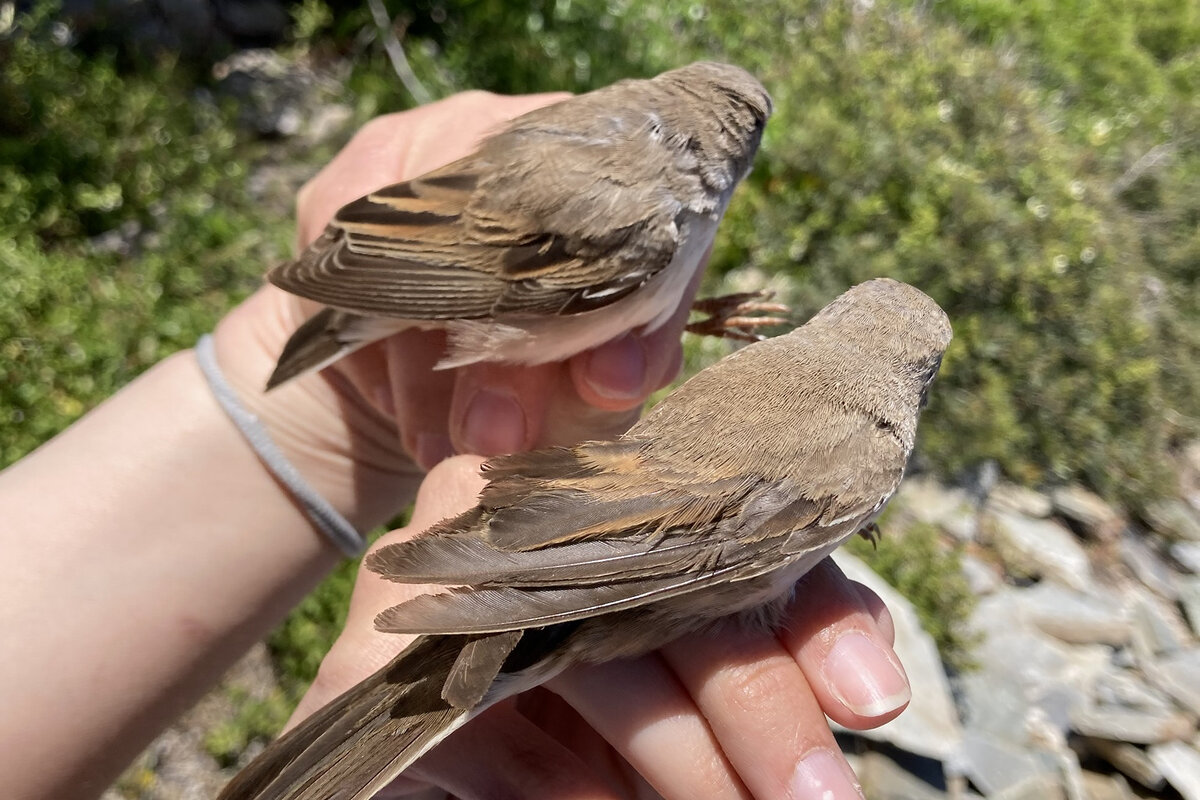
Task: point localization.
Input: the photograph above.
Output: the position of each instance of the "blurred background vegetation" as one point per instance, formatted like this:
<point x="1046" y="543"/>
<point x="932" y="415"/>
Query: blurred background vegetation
<point x="1034" y="165"/>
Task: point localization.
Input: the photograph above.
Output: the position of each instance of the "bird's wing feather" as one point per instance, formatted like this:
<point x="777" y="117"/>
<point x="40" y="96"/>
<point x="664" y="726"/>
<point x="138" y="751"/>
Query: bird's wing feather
<point x="466" y="242"/>
<point x="309" y="762"/>
<point x="539" y="551"/>
<point x="504" y="609"/>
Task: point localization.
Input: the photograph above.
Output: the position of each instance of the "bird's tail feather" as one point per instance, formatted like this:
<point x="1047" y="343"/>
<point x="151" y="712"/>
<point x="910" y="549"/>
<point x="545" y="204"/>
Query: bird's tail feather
<point x="315" y="344"/>
<point x="389" y="720"/>
<point x="325" y="337"/>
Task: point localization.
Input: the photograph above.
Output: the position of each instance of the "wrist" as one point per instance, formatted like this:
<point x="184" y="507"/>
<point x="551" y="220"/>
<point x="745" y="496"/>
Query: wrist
<point x="345" y="449"/>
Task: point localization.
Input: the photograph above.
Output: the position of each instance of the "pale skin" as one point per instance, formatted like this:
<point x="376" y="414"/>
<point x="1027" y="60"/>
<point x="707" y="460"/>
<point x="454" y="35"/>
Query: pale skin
<point x="146" y="548"/>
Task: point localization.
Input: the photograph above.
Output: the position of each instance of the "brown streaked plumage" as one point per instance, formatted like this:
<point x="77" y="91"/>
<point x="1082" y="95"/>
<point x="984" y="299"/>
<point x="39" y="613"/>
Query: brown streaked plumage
<point x="573" y="224"/>
<point x="713" y="505"/>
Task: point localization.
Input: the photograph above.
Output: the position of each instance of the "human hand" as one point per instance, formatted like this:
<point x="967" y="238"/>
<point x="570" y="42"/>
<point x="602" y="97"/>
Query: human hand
<point x="383" y="414"/>
<point x="729" y="714"/>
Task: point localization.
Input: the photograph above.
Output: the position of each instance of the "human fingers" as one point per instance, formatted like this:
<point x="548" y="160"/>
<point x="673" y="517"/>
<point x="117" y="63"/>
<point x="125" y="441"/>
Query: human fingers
<point x="596" y="394"/>
<point x="419" y="396"/>
<point x="763" y="713"/>
<point x="502" y="753"/>
<point x="360" y="650"/>
<point x="841" y="638"/>
<point x="744" y="711"/>
<point x="647" y="715"/>
<point x="620" y="374"/>
<point x="498" y="408"/>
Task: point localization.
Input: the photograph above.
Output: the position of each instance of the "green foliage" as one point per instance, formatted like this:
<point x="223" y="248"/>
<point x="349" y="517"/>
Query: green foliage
<point x="86" y="150"/>
<point x="255" y="719"/>
<point x="902" y="147"/>
<point x="930" y="576"/>
<point x="298" y="645"/>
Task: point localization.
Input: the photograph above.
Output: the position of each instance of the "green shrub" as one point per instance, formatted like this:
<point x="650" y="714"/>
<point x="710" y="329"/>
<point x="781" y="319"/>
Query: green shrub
<point x="902" y="147"/>
<point x="86" y="150"/>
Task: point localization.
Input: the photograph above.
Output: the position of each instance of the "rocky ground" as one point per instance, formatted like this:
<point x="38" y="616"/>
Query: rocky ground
<point x="1087" y="678"/>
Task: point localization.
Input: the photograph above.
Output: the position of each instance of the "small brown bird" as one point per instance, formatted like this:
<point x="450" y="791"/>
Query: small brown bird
<point x="713" y="505"/>
<point x="573" y="224"/>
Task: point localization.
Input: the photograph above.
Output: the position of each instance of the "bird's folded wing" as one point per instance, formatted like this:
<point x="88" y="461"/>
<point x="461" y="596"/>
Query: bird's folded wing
<point x="458" y="243"/>
<point x="562" y="554"/>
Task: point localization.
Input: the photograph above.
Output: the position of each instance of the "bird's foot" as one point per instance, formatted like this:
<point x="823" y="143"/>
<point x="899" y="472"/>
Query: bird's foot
<point x="872" y="534"/>
<point x="737" y="316"/>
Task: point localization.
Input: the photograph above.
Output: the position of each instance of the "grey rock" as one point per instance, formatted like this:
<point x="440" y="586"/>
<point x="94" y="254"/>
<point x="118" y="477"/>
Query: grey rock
<point x="1189" y="475"/>
<point x="926" y="500"/>
<point x="884" y="779"/>
<point x="1096" y="517"/>
<point x="1179" y="676"/>
<point x="327" y="122"/>
<point x="1022" y="671"/>
<point x="274" y="94"/>
<point x="1130" y="725"/>
<point x="1018" y="499"/>
<point x="1074" y="617"/>
<point x="1097" y="786"/>
<point x="929" y="726"/>
<point x="1156" y="630"/>
<point x="1044" y="735"/>
<point x="1130" y="759"/>
<point x="1146" y="566"/>
<point x="982" y="577"/>
<point x="1039" y="548"/>
<point x="1116" y="686"/>
<point x="1188" y="555"/>
<point x="983" y="480"/>
<point x="1181" y="766"/>
<point x="1175" y="518"/>
<point x="1002" y="769"/>
<point x="1189" y="599"/>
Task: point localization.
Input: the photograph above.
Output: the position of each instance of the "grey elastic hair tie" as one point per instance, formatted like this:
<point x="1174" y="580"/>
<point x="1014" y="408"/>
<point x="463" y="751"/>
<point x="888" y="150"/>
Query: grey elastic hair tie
<point x="316" y="508"/>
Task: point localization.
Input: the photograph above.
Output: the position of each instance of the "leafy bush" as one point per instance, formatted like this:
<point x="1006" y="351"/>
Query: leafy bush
<point x="151" y="165"/>
<point x="902" y="147"/>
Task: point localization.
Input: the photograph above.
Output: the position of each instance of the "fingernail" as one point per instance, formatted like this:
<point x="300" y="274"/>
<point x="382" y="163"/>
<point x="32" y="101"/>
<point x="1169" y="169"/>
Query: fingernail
<point x="432" y="449"/>
<point x="494" y="424"/>
<point x="860" y="675"/>
<point x="824" y="775"/>
<point x="617" y="370"/>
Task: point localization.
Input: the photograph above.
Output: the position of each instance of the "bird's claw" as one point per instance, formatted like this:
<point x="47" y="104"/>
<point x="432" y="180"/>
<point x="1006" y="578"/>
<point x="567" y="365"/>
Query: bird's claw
<point x="872" y="534"/>
<point x="734" y="316"/>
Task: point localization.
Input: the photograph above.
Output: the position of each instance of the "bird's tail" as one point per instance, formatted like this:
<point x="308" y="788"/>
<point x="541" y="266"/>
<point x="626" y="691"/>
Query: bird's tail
<point x="389" y="720"/>
<point x="325" y="337"/>
<point x="315" y="344"/>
